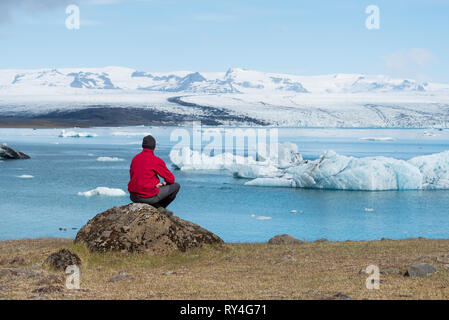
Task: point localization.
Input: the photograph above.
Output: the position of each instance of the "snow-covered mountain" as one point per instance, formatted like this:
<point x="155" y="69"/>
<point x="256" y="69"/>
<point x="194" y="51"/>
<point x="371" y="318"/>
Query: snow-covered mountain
<point x="253" y="97"/>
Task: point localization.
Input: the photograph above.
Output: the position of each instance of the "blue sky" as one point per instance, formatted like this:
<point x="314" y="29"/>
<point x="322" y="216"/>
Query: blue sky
<point x="297" y="37"/>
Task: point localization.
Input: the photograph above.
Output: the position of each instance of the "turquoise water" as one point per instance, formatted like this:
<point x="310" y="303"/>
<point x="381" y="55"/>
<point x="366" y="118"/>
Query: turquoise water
<point x="62" y="167"/>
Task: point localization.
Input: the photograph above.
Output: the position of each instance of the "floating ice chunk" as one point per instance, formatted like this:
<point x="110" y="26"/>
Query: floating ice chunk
<point x="369" y="209"/>
<point x="260" y="217"/>
<point x="25" y="176"/>
<point x="271" y="182"/>
<point x="103" y="191"/>
<point x="378" y="139"/>
<point x="109" y="159"/>
<point x="294" y="211"/>
<point x="74" y="134"/>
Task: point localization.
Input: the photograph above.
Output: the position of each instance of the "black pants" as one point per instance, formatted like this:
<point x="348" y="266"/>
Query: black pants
<point x="164" y="197"/>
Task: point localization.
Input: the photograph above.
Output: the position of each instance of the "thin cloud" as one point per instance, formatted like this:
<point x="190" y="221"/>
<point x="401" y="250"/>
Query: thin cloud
<point x="414" y="63"/>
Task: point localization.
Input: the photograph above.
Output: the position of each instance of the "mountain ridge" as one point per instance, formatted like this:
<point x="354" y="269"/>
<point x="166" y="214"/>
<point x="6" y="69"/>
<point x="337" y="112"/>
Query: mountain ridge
<point x="236" y="96"/>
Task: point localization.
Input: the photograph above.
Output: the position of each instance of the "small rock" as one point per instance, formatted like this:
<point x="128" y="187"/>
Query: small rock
<point x="341" y="296"/>
<point x="321" y="240"/>
<point x="446" y="266"/>
<point x="62" y="259"/>
<point x="121" y="276"/>
<point x="48" y="289"/>
<point x="169" y="273"/>
<point x="420" y="270"/>
<point x="362" y="271"/>
<point x="385" y="239"/>
<point x="284" y="239"/>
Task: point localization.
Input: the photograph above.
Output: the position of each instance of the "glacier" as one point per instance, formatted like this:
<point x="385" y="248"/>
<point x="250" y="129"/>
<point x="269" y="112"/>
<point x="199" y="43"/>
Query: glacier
<point x="330" y="171"/>
<point x="237" y="96"/>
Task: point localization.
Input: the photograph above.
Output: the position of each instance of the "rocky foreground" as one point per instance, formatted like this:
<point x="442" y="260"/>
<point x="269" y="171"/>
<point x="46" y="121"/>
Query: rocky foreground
<point x="135" y="252"/>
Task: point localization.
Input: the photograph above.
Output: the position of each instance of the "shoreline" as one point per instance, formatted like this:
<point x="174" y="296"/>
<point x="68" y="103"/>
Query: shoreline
<point x="310" y="270"/>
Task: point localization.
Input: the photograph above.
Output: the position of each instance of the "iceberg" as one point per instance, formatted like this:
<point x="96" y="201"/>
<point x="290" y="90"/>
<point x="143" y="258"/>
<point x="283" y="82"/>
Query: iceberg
<point x="74" y="134"/>
<point x="25" y="176"/>
<point x="103" y="191"/>
<point x="267" y="160"/>
<point x="377" y="138"/>
<point x="334" y="171"/>
<point x="434" y="169"/>
<point x="187" y="159"/>
<point x="331" y="171"/>
<point x="109" y="159"/>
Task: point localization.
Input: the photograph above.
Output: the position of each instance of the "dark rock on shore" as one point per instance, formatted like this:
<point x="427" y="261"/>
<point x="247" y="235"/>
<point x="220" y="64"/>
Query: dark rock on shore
<point x="284" y="239"/>
<point x="420" y="270"/>
<point x="8" y="153"/>
<point x="62" y="259"/>
<point x="139" y="227"/>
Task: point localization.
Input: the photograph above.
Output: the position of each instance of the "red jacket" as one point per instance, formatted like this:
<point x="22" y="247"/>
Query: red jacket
<point x="144" y="172"/>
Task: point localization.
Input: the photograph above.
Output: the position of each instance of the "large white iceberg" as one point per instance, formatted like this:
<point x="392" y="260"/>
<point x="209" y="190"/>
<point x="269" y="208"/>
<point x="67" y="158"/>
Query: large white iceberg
<point x="267" y="160"/>
<point x="330" y="171"/>
<point x="103" y="191"/>
<point x="74" y="134"/>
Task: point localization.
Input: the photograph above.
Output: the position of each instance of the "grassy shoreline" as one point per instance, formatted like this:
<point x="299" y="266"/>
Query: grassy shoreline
<point x="312" y="270"/>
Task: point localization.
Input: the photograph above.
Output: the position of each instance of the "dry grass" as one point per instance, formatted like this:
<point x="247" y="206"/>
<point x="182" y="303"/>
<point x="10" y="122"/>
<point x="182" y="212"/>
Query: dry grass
<point x="239" y="271"/>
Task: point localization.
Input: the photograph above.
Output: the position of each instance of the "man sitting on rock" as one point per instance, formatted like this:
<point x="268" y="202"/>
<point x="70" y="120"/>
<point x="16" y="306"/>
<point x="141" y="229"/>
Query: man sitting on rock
<point x="145" y="186"/>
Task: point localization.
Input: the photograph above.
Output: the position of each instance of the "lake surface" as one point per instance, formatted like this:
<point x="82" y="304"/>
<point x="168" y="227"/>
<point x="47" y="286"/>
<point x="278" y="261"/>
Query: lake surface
<point x="38" y="206"/>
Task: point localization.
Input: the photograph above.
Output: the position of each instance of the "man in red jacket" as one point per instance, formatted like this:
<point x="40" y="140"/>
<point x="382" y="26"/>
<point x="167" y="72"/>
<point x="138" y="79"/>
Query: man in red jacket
<point x="144" y="185"/>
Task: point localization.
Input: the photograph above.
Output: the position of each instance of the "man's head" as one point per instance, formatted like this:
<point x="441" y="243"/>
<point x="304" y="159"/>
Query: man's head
<point x="149" y="143"/>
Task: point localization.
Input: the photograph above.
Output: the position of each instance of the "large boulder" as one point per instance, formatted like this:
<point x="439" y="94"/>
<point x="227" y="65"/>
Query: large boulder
<point x="140" y="227"/>
<point x="284" y="239"/>
<point x="8" y="153"/>
<point x="420" y="270"/>
<point x="62" y="259"/>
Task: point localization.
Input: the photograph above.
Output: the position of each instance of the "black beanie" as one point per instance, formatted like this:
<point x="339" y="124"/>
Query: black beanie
<point x="149" y="142"/>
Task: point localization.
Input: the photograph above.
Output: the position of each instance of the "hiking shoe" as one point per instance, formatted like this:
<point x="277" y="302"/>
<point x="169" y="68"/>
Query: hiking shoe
<point x="162" y="210"/>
